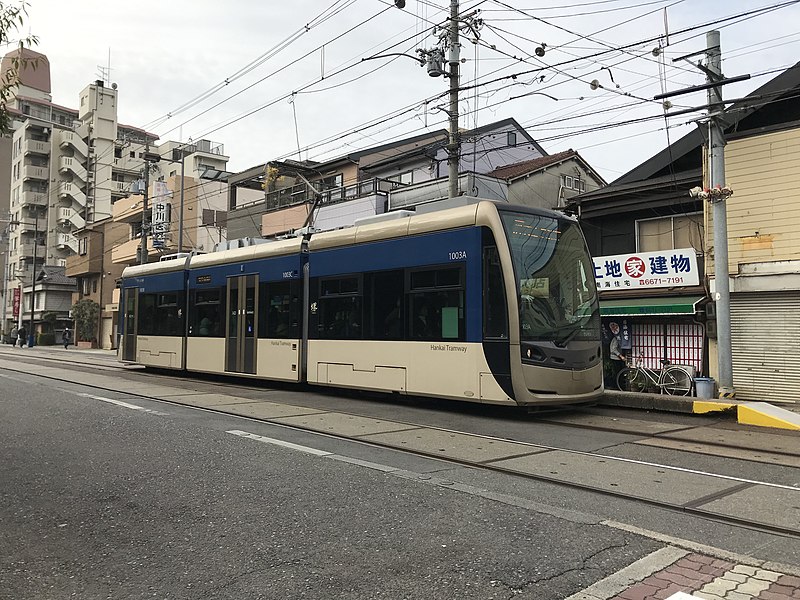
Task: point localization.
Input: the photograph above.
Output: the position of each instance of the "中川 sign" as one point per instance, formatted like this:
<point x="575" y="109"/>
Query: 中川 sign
<point x="643" y="270"/>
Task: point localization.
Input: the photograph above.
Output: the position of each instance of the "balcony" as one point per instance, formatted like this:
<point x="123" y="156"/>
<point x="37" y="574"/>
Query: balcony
<point x="32" y="172"/>
<point x="86" y="264"/>
<point x="70" y="139"/>
<point x="127" y="210"/>
<point x="28" y="249"/>
<point x="127" y="253"/>
<point x="33" y="199"/>
<point x="73" y="192"/>
<point x="69" y="164"/>
<point x="127" y="163"/>
<point x="433" y="190"/>
<point x="300" y="194"/>
<point x="71" y="217"/>
<point x="35" y="147"/>
<point x="65" y="240"/>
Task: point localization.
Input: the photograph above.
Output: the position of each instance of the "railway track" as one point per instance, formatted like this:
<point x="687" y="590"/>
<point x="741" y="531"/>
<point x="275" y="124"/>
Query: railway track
<point x="640" y="481"/>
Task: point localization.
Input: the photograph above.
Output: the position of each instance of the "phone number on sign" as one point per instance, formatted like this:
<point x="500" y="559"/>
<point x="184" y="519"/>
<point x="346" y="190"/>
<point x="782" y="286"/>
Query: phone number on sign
<point x="661" y="280"/>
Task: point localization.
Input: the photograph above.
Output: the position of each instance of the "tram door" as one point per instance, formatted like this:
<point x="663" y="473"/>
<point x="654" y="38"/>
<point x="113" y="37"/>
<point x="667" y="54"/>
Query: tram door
<point x="241" y="330"/>
<point x="131" y="324"/>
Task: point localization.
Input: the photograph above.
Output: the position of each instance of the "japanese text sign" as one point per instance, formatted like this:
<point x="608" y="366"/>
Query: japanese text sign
<point x="666" y="268"/>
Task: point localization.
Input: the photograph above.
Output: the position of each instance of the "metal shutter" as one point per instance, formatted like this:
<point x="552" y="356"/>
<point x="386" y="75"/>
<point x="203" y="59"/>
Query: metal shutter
<point x="765" y="343"/>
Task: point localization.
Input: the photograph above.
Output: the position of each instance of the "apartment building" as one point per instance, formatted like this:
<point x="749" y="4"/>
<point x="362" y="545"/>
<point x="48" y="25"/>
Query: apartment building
<point x="67" y="168"/>
<point x="187" y="214"/>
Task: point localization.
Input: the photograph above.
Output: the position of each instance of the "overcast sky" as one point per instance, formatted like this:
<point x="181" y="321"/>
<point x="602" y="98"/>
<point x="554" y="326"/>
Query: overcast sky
<point x="166" y="54"/>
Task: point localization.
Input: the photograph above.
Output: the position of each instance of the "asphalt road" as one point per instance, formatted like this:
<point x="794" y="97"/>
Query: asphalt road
<point x="98" y="500"/>
<point x="108" y="495"/>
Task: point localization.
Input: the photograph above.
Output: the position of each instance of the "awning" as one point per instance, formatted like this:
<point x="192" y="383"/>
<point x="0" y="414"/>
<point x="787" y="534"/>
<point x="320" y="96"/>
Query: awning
<point x="654" y="307"/>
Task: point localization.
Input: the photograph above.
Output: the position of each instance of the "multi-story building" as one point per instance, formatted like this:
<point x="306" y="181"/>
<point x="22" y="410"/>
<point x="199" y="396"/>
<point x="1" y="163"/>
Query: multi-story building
<point x="68" y="167"/>
<point x="499" y="161"/>
<point x="187" y="215"/>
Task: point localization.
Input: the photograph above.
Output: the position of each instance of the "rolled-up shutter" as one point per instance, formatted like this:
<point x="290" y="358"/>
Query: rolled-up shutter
<point x="765" y="344"/>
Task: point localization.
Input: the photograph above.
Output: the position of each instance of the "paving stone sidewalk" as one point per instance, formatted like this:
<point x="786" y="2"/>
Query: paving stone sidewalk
<point x="681" y="575"/>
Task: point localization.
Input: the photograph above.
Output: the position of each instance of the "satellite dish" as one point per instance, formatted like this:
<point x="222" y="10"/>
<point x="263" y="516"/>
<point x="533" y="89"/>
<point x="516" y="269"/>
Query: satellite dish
<point x="594" y="84"/>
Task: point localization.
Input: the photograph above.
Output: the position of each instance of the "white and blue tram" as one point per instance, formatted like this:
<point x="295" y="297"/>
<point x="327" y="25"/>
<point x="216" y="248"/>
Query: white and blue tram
<point x="485" y="303"/>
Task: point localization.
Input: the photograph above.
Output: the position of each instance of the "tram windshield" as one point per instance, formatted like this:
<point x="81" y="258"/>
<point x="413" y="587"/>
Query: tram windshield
<point x="555" y="279"/>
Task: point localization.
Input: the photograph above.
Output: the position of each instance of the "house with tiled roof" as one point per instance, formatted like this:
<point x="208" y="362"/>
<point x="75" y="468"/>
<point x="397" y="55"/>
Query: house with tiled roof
<point x="548" y="181"/>
<point x="53" y="294"/>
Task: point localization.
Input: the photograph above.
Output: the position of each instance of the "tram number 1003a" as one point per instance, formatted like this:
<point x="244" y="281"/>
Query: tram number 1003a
<point x="371" y="308"/>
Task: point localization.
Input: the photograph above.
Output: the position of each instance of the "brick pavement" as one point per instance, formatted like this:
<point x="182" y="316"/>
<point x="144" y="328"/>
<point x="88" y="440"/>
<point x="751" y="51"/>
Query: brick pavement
<point x="673" y="573"/>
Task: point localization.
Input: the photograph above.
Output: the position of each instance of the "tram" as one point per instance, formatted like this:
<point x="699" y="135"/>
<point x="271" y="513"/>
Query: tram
<point x="487" y="302"/>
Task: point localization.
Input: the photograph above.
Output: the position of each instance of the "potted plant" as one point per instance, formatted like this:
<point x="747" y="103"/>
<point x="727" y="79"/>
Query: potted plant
<point x="86" y="313"/>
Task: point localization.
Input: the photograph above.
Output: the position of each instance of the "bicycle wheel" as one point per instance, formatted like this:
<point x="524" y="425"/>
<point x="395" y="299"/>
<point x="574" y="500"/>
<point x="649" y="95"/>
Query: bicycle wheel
<point x="631" y="380"/>
<point x="676" y="381"/>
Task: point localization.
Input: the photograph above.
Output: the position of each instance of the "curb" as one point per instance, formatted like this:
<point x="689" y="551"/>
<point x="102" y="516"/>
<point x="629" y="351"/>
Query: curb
<point x="759" y="414"/>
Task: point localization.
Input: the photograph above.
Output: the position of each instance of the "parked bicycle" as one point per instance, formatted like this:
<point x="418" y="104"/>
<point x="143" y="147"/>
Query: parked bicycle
<point x="670" y="379"/>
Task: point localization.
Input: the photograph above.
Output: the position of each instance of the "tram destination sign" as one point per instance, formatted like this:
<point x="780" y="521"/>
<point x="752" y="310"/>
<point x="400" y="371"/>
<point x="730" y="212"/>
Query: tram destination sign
<point x="643" y="270"/>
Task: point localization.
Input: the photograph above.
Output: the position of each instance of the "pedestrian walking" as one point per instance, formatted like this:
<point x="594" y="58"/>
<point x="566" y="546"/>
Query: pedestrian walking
<point x="615" y="353"/>
<point x="23" y="337"/>
<point x="12" y="338"/>
<point x="66" y="337"/>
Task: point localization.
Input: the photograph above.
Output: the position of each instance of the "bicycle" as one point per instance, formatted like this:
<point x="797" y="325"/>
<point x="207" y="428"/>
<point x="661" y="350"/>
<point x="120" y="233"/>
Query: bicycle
<point x="672" y="379"/>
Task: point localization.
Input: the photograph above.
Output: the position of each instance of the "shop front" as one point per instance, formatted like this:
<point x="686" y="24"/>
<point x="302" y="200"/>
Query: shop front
<point x="653" y="303"/>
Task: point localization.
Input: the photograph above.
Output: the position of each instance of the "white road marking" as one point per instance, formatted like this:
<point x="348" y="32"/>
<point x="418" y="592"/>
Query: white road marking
<point x="273" y="441"/>
<point x="123" y="404"/>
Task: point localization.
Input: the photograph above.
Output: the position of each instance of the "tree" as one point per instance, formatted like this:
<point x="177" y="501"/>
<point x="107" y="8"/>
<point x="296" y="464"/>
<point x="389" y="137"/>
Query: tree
<point x="50" y="319"/>
<point x="86" y="312"/>
<point x="12" y="17"/>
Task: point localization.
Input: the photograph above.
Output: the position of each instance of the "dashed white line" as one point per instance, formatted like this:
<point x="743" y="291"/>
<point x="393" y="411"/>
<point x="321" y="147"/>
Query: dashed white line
<point x="123" y="404"/>
<point x="273" y="441"/>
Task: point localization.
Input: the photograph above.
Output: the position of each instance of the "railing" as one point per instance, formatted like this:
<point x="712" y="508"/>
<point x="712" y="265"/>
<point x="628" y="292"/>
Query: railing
<point x="302" y="194"/>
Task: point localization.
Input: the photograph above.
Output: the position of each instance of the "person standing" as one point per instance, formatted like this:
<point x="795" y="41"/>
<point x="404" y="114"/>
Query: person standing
<point x="615" y="353"/>
<point x="22" y="334"/>
<point x="12" y="338"/>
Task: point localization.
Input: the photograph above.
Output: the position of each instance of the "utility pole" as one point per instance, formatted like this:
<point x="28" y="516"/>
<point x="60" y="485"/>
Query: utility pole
<point x="453" y="147"/>
<point x="145" y="224"/>
<point x="716" y="181"/>
<point x="180" y="224"/>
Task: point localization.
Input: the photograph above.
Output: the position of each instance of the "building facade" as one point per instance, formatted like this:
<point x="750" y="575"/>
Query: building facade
<point x="67" y="169"/>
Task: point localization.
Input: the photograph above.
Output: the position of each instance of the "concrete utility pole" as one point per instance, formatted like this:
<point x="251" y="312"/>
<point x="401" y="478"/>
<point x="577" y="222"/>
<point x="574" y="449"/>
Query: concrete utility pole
<point x="180" y="224"/>
<point x="716" y="180"/>
<point x="145" y="224"/>
<point x="453" y="147"/>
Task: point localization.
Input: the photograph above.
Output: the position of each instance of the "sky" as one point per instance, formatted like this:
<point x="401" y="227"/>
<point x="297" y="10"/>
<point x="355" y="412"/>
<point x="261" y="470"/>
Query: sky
<point x="275" y="80"/>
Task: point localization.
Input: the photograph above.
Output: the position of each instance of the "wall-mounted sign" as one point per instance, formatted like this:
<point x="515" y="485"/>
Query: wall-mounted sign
<point x="161" y="221"/>
<point x="203" y="279"/>
<point x="643" y="270"/>
<point x="15" y="306"/>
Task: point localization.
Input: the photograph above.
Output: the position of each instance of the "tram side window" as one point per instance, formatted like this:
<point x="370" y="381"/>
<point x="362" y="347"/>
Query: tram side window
<point x="281" y="309"/>
<point x="161" y="314"/>
<point x="495" y="320"/>
<point x="206" y="314"/>
<point x="339" y="309"/>
<point x="436" y="304"/>
<point x="384" y="300"/>
<point x="147" y="314"/>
